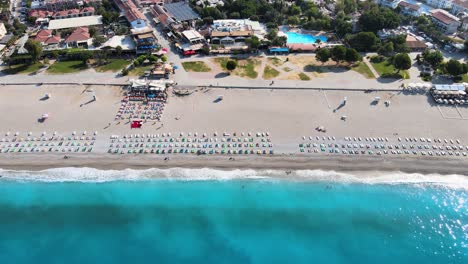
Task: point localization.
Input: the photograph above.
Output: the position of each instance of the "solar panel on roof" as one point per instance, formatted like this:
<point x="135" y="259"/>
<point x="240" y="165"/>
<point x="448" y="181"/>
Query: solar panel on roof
<point x="181" y="11"/>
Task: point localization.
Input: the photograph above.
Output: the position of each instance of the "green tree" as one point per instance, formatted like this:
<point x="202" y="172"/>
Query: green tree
<point x="98" y="41"/>
<point x="34" y="49"/>
<point x="386" y="49"/>
<point x="253" y="42"/>
<point x="338" y="53"/>
<point x="231" y="65"/>
<point x="454" y="68"/>
<point x="163" y="58"/>
<point x="402" y="61"/>
<point x="323" y="55"/>
<point x="434" y="58"/>
<point x="352" y="55"/>
<point x="294" y="20"/>
<point x="343" y="27"/>
<point x="118" y="50"/>
<point x="92" y="31"/>
<point x="363" y="41"/>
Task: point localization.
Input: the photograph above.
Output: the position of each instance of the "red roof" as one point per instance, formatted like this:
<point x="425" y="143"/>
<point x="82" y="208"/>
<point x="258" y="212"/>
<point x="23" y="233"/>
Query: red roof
<point x="87" y="9"/>
<point x="79" y="34"/>
<point x="461" y="3"/>
<point x="409" y="6"/>
<point x="134" y="14"/>
<point x="444" y="17"/>
<point x="45" y="36"/>
<point x="130" y="10"/>
<point x="39" y="13"/>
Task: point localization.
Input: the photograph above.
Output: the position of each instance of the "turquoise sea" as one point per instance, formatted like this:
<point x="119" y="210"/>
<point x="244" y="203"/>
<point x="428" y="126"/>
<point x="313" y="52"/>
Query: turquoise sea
<point x="208" y="216"/>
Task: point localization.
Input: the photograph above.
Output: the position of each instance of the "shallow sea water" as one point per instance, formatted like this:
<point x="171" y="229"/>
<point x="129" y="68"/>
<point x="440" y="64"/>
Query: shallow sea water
<point x="89" y="217"/>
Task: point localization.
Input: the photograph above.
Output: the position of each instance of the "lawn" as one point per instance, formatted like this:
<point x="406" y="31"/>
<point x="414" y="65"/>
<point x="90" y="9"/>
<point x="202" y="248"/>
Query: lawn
<point x="140" y="70"/>
<point x="387" y="70"/>
<point x="245" y="67"/>
<point x="114" y="65"/>
<point x="276" y="61"/>
<point x="270" y="73"/>
<point x="196" y="66"/>
<point x="22" y="68"/>
<point x="465" y="78"/>
<point x="63" y="67"/>
<point x="363" y="69"/>
<point x="287" y="69"/>
<point x="304" y="77"/>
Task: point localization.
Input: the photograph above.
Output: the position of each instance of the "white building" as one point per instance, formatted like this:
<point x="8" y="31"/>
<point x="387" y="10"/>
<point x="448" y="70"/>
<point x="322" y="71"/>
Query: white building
<point x="389" y="3"/>
<point x="444" y="4"/>
<point x="459" y="7"/>
<point x="445" y="21"/>
<point x="409" y="9"/>
<point x="3" y="30"/>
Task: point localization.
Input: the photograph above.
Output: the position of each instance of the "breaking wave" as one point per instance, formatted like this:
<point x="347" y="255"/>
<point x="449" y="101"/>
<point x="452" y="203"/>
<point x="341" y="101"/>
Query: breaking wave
<point x="367" y="177"/>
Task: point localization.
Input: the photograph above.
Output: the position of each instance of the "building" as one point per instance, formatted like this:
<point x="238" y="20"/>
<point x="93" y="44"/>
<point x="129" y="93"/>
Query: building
<point x="47" y="39"/>
<point x="174" y="13"/>
<point x="409" y="9"/>
<point x="127" y="43"/>
<point x="3" y="30"/>
<point x="70" y="13"/>
<point x="58" y="5"/>
<point x="80" y="37"/>
<point x="230" y="31"/>
<point x="415" y="44"/>
<point x="459" y="7"/>
<point x="445" y="21"/>
<point x="443" y="4"/>
<point x="131" y="13"/>
<point x="464" y="25"/>
<point x="389" y="3"/>
<point x="75" y="22"/>
<point x="193" y="36"/>
<point x="147" y="3"/>
<point x="145" y="41"/>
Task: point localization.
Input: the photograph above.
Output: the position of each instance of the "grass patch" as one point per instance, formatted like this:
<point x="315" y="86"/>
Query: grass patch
<point x="276" y="61"/>
<point x="465" y="77"/>
<point x="114" y="65"/>
<point x="140" y="70"/>
<point x="363" y="69"/>
<point x="269" y="73"/>
<point x="245" y="67"/>
<point x="63" y="67"/>
<point x="313" y="68"/>
<point x="304" y="77"/>
<point x="222" y="61"/>
<point x="387" y="70"/>
<point x="287" y="69"/>
<point x="22" y="68"/>
<point x="196" y="66"/>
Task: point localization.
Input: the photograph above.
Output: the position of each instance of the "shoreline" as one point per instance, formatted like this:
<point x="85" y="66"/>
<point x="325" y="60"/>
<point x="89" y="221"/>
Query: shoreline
<point x="38" y="162"/>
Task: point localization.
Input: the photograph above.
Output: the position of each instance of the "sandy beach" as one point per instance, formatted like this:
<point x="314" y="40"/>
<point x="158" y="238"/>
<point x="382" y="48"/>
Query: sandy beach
<point x="285" y="114"/>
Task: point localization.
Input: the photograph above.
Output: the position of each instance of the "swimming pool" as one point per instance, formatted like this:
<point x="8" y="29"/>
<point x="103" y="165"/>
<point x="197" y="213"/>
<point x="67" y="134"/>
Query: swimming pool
<point x="294" y="37"/>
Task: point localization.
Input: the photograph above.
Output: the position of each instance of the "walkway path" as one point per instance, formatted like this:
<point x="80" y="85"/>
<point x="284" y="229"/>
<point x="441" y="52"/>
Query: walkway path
<point x="367" y="62"/>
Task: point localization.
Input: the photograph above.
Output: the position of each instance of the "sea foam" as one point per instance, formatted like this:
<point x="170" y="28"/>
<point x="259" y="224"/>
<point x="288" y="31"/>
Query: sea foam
<point x="365" y="177"/>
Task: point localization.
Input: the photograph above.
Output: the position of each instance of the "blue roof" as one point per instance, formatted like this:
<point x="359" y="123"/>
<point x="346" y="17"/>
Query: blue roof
<point x="279" y="49"/>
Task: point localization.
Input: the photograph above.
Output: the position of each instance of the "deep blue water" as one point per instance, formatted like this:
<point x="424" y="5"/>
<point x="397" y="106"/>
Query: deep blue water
<point x="236" y="221"/>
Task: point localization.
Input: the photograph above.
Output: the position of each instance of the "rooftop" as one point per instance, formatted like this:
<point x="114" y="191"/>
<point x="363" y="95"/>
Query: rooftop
<point x="463" y="3"/>
<point x="75" y="22"/>
<point x="409" y="5"/>
<point x="444" y="17"/>
<point x="181" y="11"/>
<point x="125" y="42"/>
<point x="192" y="35"/>
<point x="79" y="34"/>
<point x="414" y="43"/>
